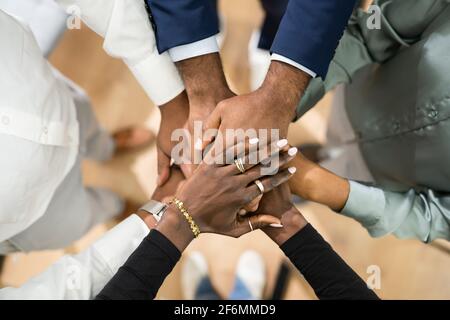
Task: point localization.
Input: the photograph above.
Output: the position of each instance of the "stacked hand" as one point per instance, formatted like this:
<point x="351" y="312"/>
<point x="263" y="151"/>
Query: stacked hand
<point x="211" y="101"/>
<point x="270" y="107"/>
<point x="213" y="196"/>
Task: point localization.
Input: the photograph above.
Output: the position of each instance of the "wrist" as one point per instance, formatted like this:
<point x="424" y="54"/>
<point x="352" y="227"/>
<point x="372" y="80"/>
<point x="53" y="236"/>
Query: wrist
<point x="177" y="108"/>
<point x="204" y="80"/>
<point x="148" y="219"/>
<point x="333" y="193"/>
<point x="292" y="221"/>
<point x="316" y="184"/>
<point x="283" y="87"/>
<point x="175" y="228"/>
<point x="208" y="97"/>
<point x="328" y="189"/>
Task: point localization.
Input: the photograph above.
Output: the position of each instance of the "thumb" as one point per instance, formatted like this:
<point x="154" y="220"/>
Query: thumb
<point x="163" y="168"/>
<point x="211" y="123"/>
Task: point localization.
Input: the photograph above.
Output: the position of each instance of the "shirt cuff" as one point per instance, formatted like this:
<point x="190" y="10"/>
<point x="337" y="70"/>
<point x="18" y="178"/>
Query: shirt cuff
<point x="366" y="205"/>
<point x="195" y="49"/>
<point x="119" y="243"/>
<point x="297" y="65"/>
<point x="159" y="77"/>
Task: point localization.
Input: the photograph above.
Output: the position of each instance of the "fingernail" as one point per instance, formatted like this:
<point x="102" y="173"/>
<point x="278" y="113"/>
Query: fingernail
<point x="292" y="151"/>
<point x="172" y="162"/>
<point x="198" y="144"/>
<point x="242" y="212"/>
<point x="276" y="225"/>
<point x="253" y="141"/>
<point x="292" y="170"/>
<point x="282" y="143"/>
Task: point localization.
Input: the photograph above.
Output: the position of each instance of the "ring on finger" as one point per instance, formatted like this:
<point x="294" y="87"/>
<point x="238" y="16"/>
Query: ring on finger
<point x="260" y="186"/>
<point x="250" y="224"/>
<point x="240" y="165"/>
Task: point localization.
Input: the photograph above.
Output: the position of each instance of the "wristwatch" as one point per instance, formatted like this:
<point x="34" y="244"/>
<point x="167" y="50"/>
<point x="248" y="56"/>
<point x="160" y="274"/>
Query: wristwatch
<point x="155" y="208"/>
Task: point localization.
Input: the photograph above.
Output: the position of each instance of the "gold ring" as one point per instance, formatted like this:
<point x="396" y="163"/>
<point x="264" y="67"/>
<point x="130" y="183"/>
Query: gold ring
<point x="260" y="186"/>
<point x="250" y="224"/>
<point x="240" y="165"/>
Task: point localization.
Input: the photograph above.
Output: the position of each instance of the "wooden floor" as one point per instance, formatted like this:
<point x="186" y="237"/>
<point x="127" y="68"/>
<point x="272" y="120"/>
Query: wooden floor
<point x="409" y="269"/>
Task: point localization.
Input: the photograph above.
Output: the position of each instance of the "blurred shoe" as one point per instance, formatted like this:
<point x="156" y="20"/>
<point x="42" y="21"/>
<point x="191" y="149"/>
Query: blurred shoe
<point x="251" y="270"/>
<point x="259" y="61"/>
<point x="195" y="269"/>
<point x="133" y="138"/>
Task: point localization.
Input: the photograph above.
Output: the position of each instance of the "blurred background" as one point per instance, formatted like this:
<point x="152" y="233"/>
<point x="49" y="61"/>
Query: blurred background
<point x="409" y="269"/>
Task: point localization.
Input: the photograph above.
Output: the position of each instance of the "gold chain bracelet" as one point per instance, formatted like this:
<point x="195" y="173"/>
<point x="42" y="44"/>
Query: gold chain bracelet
<point x="180" y="205"/>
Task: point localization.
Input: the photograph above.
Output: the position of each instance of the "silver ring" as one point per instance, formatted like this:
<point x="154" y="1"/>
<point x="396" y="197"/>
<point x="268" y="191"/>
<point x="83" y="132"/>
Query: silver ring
<point x="250" y="224"/>
<point x="260" y="186"/>
<point x="240" y="165"/>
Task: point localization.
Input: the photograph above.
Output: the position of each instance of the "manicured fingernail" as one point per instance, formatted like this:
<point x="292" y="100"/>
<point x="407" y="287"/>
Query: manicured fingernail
<point x="198" y="144"/>
<point x="276" y="225"/>
<point x="172" y="162"/>
<point x="253" y="141"/>
<point x="292" y="170"/>
<point x="292" y="151"/>
<point x="242" y="212"/>
<point x="282" y="143"/>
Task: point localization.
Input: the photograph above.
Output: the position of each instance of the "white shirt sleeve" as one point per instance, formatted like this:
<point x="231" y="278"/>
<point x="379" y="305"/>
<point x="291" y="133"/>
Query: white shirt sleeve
<point x="195" y="49"/>
<point x="209" y="45"/>
<point x="125" y="26"/>
<point x="281" y="58"/>
<point x="83" y="276"/>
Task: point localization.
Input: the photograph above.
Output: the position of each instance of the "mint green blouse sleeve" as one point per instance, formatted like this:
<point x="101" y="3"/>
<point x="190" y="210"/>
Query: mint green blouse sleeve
<point x="361" y="45"/>
<point x="421" y="215"/>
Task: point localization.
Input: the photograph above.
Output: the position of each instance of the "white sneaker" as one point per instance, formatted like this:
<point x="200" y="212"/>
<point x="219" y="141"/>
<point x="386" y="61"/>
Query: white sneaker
<point x="251" y="270"/>
<point x="194" y="270"/>
<point x="259" y="60"/>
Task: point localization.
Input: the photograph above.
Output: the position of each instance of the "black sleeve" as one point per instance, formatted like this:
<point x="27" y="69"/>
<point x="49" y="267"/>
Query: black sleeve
<point x="142" y="275"/>
<point x="325" y="271"/>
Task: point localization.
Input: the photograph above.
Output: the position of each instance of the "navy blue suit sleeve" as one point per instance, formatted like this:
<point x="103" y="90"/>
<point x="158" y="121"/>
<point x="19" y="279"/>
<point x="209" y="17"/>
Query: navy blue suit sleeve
<point x="179" y="22"/>
<point x="310" y="31"/>
<point x="274" y="11"/>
